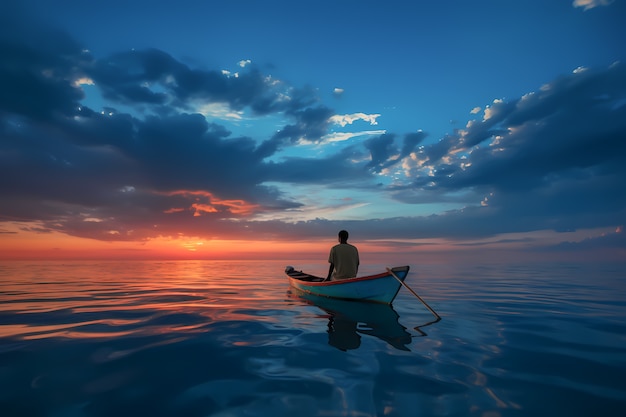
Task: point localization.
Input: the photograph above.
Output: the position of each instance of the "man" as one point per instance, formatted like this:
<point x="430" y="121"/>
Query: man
<point x="343" y="258"/>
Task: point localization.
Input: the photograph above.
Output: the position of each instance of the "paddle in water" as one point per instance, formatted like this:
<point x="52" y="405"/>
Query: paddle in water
<point x="414" y="293"/>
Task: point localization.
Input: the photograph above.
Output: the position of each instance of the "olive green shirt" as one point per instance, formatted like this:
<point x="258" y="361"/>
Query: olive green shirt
<point x="345" y="258"/>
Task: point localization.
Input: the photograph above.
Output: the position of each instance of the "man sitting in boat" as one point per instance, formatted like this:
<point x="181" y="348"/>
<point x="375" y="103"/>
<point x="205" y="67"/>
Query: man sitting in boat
<point x="343" y="259"/>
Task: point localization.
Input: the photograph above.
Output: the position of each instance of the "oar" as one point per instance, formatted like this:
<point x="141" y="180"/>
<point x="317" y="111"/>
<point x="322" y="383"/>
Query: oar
<point x="413" y="292"/>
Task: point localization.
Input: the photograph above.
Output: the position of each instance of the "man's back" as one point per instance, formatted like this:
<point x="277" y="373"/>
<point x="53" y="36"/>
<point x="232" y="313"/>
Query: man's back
<point x="345" y="258"/>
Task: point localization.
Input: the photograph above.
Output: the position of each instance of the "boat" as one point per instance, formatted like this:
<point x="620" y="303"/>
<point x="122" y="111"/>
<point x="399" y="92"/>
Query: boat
<point x="379" y="288"/>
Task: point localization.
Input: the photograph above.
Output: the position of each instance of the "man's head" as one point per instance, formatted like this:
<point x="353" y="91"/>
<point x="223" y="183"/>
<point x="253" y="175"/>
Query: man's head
<point x="343" y="236"/>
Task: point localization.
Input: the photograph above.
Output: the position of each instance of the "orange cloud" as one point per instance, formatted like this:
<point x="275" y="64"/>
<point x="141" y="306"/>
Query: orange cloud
<point x="174" y="210"/>
<point x="203" y="208"/>
<point x="206" y="202"/>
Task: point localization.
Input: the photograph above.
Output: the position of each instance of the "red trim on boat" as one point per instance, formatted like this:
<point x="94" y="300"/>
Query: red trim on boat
<point x="339" y="282"/>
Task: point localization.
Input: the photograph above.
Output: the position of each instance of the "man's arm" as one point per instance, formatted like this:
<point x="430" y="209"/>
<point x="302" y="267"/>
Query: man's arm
<point x="330" y="271"/>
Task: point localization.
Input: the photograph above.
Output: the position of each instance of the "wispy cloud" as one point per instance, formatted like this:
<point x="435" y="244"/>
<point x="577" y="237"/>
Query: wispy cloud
<point x="344" y="136"/>
<point x="219" y="111"/>
<point x="348" y="119"/>
<point x="590" y="4"/>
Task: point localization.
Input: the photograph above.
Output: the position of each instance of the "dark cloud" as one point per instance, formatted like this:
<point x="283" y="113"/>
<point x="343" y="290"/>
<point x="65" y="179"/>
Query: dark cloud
<point x="554" y="159"/>
<point x="382" y="148"/>
<point x="36" y="74"/>
<point x="111" y="175"/>
<point x="606" y="241"/>
<point x="581" y="133"/>
<point x="410" y="142"/>
<point x="154" y="78"/>
<point x="334" y="171"/>
<point x="310" y="125"/>
<point x="480" y="131"/>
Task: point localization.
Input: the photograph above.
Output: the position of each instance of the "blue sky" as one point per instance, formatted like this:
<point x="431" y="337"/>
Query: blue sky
<point x="460" y="125"/>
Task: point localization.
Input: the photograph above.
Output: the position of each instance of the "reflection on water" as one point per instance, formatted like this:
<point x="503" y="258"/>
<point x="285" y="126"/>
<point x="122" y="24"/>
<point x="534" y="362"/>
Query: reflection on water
<point x="86" y="300"/>
<point x="348" y="320"/>
<point x="229" y="339"/>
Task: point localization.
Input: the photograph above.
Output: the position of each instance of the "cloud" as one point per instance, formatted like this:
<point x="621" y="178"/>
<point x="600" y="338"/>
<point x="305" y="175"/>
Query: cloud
<point x="159" y="168"/>
<point x="590" y="4"/>
<point x="381" y="148"/>
<point x="77" y="160"/>
<point x="153" y="78"/>
<point x="384" y="151"/>
<point x="411" y="141"/>
<point x="344" y="136"/>
<point x="606" y="241"/>
<point x="342" y="169"/>
<point x="219" y="111"/>
<point x="348" y="119"/>
<point x="311" y="124"/>
<point x="553" y="159"/>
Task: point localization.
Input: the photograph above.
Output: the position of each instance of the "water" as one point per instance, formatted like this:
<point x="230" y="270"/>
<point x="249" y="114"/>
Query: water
<point x="213" y="338"/>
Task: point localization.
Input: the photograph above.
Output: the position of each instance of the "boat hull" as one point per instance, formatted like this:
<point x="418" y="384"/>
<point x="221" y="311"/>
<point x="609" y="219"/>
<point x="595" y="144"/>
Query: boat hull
<point x="379" y="288"/>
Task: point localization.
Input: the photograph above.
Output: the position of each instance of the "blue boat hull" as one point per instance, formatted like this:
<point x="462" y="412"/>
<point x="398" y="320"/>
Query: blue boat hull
<point x="380" y="288"/>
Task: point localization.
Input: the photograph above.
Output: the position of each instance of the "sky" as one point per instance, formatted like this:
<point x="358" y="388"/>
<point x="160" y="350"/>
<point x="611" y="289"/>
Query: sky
<point x="430" y="130"/>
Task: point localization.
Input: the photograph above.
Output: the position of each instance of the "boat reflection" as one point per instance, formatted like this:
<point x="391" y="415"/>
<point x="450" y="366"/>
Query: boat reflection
<point x="348" y="320"/>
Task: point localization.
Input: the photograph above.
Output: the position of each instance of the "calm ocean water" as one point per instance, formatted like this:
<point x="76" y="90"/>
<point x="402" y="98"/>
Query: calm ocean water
<point x="208" y="338"/>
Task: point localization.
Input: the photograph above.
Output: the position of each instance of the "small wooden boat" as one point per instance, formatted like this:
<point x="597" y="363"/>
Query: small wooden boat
<point x="380" y="288"/>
